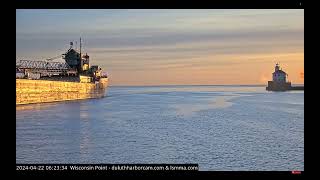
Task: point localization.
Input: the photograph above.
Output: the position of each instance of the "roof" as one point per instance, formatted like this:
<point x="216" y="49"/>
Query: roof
<point x="279" y="72"/>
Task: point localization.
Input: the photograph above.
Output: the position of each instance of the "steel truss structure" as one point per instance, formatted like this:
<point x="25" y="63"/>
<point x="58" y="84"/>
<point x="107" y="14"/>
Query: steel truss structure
<point x="45" y="68"/>
<point x="43" y="65"/>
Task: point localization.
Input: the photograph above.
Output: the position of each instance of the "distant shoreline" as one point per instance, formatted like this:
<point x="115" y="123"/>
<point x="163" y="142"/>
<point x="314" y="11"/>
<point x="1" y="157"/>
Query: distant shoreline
<point x="227" y="85"/>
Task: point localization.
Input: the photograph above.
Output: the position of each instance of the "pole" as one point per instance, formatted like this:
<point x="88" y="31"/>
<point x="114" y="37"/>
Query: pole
<point x="80" y="47"/>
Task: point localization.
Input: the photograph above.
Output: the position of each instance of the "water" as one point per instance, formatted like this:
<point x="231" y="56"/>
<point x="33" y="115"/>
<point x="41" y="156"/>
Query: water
<point x="218" y="127"/>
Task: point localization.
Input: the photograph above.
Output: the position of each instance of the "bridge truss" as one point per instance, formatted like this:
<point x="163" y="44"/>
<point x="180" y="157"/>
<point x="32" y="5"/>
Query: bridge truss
<point x="45" y="68"/>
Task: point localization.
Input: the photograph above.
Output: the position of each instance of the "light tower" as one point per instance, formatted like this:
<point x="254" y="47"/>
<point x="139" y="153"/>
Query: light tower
<point x="277" y="68"/>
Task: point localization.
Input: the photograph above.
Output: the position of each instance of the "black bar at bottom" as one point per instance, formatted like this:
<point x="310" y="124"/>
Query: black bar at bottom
<point x="107" y="167"/>
<point x="137" y="169"/>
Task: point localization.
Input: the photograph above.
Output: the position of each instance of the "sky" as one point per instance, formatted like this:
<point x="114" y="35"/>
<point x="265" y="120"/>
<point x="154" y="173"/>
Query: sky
<point x="171" y="47"/>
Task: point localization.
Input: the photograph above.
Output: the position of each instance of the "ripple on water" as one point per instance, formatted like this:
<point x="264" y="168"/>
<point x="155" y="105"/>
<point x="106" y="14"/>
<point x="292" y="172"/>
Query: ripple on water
<point x="220" y="128"/>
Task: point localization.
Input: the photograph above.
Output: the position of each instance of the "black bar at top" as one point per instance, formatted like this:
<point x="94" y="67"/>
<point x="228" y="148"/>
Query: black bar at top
<point x="138" y="4"/>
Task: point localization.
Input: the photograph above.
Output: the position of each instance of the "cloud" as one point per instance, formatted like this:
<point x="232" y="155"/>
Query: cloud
<point x="169" y="43"/>
<point x="165" y="40"/>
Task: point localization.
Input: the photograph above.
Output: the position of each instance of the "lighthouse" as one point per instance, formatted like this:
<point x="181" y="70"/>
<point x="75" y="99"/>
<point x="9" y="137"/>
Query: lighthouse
<point x="279" y="80"/>
<point x="278" y="75"/>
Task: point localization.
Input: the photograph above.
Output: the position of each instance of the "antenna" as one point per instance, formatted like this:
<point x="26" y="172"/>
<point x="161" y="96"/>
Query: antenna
<point x="80" y="47"/>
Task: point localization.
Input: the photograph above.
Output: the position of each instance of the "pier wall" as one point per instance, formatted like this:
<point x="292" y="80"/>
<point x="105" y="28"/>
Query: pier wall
<point x="41" y="91"/>
<point x="272" y="86"/>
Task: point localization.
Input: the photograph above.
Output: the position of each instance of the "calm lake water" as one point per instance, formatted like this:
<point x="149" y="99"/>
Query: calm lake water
<point x="218" y="127"/>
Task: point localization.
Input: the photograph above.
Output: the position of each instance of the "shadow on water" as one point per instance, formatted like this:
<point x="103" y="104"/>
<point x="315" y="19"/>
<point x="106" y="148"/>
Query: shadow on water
<point x="48" y="105"/>
<point x="35" y="106"/>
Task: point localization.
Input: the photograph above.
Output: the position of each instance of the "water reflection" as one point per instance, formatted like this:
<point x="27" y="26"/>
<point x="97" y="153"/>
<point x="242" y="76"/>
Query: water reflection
<point x="215" y="103"/>
<point x="36" y="106"/>
<point x="85" y="135"/>
<point x="84" y="115"/>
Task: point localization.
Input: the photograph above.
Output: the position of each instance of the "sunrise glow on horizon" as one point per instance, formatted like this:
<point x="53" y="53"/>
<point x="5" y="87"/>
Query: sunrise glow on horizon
<point x="171" y="47"/>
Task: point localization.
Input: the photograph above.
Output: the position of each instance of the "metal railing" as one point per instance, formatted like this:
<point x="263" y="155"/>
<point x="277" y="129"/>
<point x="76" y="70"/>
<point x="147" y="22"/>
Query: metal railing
<point x="30" y="64"/>
<point x="45" y="68"/>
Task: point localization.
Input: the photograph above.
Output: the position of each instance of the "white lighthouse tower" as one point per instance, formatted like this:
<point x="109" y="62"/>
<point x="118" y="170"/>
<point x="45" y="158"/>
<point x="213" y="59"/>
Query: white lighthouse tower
<point x="279" y="76"/>
<point x="279" y="80"/>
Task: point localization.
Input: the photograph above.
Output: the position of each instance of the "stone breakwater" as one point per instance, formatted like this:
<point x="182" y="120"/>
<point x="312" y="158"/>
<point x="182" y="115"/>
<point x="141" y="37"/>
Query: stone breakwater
<point x="42" y="91"/>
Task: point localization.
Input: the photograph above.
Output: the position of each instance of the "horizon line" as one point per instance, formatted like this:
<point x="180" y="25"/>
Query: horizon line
<point x="192" y="85"/>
